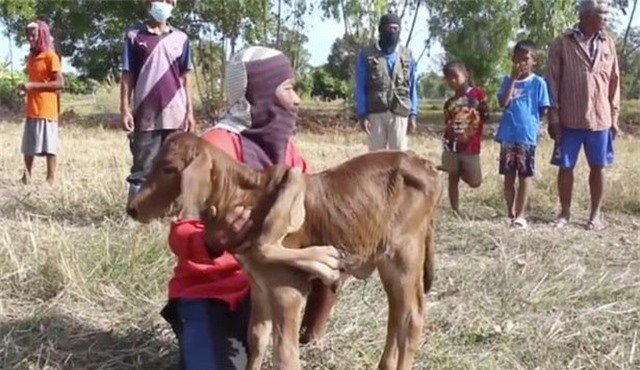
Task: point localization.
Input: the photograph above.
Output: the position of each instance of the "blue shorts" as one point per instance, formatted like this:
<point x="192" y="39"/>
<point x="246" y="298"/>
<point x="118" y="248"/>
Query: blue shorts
<point x="598" y="147"/>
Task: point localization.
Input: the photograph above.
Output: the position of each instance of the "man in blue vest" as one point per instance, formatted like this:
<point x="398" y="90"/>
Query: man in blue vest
<point x="386" y="88"/>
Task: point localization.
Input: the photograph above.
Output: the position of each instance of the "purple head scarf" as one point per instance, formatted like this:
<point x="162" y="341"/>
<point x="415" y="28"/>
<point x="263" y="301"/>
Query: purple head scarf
<point x="265" y="126"/>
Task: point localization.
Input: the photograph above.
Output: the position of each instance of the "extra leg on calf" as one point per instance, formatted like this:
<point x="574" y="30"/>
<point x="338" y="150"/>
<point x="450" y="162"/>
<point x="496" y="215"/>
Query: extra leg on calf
<point x="318" y="310"/>
<point x="322" y="262"/>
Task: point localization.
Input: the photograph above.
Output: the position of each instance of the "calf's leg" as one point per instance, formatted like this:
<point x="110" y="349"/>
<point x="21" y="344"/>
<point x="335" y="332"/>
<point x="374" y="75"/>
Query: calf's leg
<point x="402" y="277"/>
<point x="287" y="289"/>
<point x="259" y="327"/>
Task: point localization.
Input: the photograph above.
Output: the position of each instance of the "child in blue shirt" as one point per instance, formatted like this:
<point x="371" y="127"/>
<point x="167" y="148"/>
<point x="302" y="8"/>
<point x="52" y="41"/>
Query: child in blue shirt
<point x="525" y="98"/>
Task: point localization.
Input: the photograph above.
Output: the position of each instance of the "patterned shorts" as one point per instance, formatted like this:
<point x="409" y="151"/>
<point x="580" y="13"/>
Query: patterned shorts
<point x="517" y="159"/>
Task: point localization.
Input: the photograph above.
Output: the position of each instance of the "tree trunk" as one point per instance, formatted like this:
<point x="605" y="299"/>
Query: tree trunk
<point x="234" y="42"/>
<point x="404" y="8"/>
<point x="13" y="82"/>
<point x="413" y="23"/>
<point x="427" y="44"/>
<point x="265" y="16"/>
<point x="345" y="18"/>
<point x="196" y="74"/>
<point x="626" y="32"/>
<point x="279" y="24"/>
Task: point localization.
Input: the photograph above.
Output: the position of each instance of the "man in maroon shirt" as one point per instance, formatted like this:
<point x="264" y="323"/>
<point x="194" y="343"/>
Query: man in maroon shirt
<point x="155" y="67"/>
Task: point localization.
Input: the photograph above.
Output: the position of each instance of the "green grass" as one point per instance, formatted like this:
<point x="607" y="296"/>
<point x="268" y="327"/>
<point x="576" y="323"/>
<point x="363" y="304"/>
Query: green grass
<point x="81" y="288"/>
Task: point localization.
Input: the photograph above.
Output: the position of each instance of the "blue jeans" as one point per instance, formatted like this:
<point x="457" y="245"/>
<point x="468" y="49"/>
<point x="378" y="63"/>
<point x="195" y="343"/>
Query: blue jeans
<point x="210" y="335"/>
<point x="598" y="147"/>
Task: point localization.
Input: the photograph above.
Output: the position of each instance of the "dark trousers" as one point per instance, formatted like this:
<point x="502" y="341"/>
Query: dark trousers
<point x="210" y="335"/>
<point x="144" y="146"/>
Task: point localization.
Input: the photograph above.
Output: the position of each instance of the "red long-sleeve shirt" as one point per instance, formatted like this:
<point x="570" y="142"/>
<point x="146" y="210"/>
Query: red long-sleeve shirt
<point x="196" y="275"/>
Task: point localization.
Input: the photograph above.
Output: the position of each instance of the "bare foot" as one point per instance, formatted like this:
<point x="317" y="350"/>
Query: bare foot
<point x="51" y="182"/>
<point x="26" y="179"/>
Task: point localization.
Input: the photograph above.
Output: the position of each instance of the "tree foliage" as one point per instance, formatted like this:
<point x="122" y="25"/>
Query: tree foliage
<point x="476" y="32"/>
<point x="327" y="86"/>
<point x="629" y="55"/>
<point x="432" y="86"/>
<point x="542" y="21"/>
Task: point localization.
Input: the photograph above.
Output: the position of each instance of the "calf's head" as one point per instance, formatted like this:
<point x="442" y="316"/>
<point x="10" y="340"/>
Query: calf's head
<point x="179" y="182"/>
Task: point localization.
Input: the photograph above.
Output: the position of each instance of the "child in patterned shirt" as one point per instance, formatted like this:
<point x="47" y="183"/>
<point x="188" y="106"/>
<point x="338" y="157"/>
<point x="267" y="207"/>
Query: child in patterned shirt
<point x="465" y="114"/>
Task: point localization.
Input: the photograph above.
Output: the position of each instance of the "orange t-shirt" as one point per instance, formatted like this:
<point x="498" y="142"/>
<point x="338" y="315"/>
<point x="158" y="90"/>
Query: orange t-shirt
<point x="42" y="68"/>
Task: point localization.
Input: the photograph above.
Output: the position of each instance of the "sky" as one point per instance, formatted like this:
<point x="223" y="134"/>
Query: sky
<point x="321" y="33"/>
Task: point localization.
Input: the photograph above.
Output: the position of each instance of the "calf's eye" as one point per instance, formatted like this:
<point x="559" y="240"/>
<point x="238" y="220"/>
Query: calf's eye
<point x="169" y="170"/>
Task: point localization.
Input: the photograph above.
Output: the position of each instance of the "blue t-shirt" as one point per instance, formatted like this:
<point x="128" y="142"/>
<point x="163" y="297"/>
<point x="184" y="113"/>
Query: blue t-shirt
<point x="520" y="121"/>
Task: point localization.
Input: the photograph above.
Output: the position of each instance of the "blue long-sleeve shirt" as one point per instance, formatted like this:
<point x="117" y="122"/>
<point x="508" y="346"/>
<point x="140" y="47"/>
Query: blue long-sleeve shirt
<point x="362" y="75"/>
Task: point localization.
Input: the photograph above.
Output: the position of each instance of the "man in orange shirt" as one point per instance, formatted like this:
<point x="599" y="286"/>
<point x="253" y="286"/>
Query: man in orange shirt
<point x="45" y="80"/>
<point x="209" y="302"/>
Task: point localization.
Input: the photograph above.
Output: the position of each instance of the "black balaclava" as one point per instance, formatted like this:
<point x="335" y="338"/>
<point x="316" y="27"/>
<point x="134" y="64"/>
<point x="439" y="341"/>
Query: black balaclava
<point x="389" y="38"/>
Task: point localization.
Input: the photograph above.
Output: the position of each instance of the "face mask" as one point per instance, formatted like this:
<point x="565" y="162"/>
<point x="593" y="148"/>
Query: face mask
<point x="389" y="38"/>
<point x="160" y="11"/>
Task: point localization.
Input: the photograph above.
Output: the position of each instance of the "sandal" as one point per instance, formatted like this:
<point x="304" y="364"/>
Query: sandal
<point x="594" y="225"/>
<point x="519" y="223"/>
<point x="560" y="222"/>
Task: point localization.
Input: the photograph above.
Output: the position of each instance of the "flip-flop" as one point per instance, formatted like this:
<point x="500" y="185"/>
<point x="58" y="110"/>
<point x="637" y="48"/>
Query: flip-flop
<point x="594" y="225"/>
<point x="519" y="223"/>
<point x="560" y="222"/>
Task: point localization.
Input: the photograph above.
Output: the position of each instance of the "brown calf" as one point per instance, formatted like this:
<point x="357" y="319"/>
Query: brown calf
<point x="377" y="209"/>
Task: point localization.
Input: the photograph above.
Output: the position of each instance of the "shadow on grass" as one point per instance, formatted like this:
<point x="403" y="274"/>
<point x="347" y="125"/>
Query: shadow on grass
<point x="62" y="342"/>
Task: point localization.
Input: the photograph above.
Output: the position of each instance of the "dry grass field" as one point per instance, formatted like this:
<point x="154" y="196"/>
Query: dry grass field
<point x="81" y="287"/>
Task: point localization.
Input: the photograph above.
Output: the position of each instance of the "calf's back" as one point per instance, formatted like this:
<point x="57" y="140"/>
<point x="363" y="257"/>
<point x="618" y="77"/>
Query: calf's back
<point x="361" y="204"/>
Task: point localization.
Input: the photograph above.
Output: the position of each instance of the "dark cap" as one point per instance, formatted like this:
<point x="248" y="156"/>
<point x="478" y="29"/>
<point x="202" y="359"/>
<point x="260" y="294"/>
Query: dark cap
<point x="389" y="18"/>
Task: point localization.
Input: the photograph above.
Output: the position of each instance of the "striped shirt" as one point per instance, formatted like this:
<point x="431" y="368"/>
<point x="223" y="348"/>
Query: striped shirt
<point x="590" y="44"/>
<point x="584" y="81"/>
<point x="157" y="63"/>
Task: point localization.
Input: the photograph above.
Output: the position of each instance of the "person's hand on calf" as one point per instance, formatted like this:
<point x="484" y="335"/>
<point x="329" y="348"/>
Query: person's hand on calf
<point x="228" y="233"/>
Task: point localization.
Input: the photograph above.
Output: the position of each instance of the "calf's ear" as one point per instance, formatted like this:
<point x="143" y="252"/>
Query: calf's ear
<point x="195" y="185"/>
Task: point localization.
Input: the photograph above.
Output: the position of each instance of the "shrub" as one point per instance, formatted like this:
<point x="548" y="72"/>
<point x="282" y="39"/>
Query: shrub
<point x="9" y="98"/>
<point x="77" y="85"/>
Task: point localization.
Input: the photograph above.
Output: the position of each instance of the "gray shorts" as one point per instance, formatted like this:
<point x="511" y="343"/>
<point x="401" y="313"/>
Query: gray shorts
<point x="40" y="137"/>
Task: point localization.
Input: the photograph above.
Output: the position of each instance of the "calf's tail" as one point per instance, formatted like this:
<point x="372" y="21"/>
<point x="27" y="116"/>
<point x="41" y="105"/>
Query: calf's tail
<point x="429" y="258"/>
<point x="429" y="243"/>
